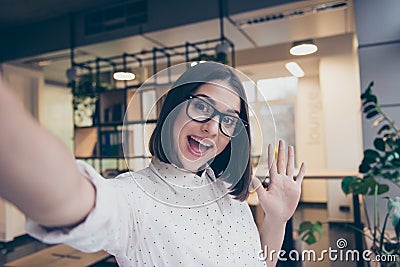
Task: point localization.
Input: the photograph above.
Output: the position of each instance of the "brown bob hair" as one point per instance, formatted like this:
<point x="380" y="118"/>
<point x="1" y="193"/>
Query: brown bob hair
<point x="186" y="85"/>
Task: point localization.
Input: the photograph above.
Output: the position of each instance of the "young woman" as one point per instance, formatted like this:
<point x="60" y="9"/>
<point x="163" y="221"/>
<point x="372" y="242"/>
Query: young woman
<point x="187" y="208"/>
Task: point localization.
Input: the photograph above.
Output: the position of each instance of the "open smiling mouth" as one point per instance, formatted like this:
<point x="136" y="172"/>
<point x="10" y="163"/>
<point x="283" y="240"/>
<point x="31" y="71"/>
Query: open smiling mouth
<point x="197" y="146"/>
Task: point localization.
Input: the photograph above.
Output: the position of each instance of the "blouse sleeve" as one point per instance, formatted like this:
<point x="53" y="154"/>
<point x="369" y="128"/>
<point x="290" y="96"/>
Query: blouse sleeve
<point x="108" y="226"/>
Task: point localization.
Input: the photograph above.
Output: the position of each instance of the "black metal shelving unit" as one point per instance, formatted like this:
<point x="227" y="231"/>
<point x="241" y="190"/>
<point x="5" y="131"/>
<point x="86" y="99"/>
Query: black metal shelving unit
<point x="93" y="80"/>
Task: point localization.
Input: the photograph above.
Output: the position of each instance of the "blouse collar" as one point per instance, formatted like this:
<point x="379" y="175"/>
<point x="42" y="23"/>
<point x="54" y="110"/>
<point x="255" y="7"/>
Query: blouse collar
<point x="178" y="187"/>
<point x="179" y="176"/>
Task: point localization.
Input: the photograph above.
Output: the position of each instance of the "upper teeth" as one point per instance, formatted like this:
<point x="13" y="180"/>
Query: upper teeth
<point x="200" y="141"/>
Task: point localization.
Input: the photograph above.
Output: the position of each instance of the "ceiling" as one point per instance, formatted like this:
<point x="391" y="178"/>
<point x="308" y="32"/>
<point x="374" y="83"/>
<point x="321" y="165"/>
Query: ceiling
<point x="21" y="12"/>
<point x="262" y="38"/>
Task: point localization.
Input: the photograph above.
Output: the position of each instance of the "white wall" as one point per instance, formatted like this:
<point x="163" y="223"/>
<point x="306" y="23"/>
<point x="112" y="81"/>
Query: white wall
<point x="341" y="104"/>
<point x="310" y="137"/>
<point x="310" y="125"/>
<point x="56" y="112"/>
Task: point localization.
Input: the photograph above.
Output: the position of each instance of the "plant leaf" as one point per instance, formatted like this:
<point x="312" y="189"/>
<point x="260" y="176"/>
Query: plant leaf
<point x="383" y="188"/>
<point x="385" y="127"/>
<point x="369" y="108"/>
<point x="318" y="228"/>
<point x="394" y="205"/>
<point x="370" y="153"/>
<point x="304" y="226"/>
<point x="370" y="98"/>
<point x="372" y="114"/>
<point x="368" y="91"/>
<point x="309" y="238"/>
<point x="364" y="167"/>
<point x="308" y="230"/>
<point x="368" y="160"/>
<point x="366" y="186"/>
<point x="370" y="156"/>
<point x="357" y="186"/>
<point x="373" y="185"/>
<point x="379" y="144"/>
<point x="346" y="181"/>
<point x="391" y="158"/>
<point x="370" y="87"/>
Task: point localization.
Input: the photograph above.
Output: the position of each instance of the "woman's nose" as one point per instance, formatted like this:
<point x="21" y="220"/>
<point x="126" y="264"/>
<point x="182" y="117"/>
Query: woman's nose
<point x="211" y="126"/>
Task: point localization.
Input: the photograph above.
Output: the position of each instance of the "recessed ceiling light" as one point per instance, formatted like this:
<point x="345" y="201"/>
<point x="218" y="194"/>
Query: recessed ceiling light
<point x="305" y="47"/>
<point x="295" y="69"/>
<point x="123" y="76"/>
<point x="44" y="63"/>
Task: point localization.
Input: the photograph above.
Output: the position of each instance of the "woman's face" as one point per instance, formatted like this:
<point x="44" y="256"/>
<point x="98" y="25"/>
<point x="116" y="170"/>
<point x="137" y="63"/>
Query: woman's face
<point x="198" y="142"/>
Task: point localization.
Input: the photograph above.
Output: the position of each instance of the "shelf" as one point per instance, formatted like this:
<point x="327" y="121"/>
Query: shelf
<point x="116" y="124"/>
<point x="85" y="140"/>
<point x="102" y="90"/>
<point x="136" y="101"/>
<point x="141" y="122"/>
<point x="112" y="107"/>
<point x="84" y="127"/>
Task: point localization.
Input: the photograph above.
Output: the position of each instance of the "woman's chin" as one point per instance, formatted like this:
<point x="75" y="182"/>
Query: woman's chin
<point x="194" y="164"/>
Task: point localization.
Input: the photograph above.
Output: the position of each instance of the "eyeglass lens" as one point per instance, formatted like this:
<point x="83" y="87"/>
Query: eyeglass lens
<point x="201" y="111"/>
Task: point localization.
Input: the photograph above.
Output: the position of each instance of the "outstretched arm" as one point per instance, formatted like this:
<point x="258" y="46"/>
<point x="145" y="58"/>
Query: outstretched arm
<point x="280" y="200"/>
<point x="37" y="172"/>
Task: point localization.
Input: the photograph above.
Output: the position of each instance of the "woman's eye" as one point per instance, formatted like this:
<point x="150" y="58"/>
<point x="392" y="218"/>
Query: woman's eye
<point x="202" y="107"/>
<point x="228" y="121"/>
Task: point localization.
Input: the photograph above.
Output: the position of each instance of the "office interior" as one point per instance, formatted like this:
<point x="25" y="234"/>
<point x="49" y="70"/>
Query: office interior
<point x="319" y="112"/>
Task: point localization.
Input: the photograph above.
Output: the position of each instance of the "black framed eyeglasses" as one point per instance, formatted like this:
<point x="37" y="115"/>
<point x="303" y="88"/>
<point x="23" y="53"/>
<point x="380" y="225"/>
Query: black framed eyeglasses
<point x="200" y="110"/>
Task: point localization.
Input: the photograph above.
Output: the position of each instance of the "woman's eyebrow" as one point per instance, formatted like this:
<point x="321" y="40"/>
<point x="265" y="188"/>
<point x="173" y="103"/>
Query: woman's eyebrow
<point x="214" y="103"/>
<point x="208" y="98"/>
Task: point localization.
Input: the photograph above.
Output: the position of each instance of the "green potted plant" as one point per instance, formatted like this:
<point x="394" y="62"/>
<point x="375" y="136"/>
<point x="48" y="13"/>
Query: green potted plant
<point x="379" y="164"/>
<point x="85" y="99"/>
<point x="86" y="89"/>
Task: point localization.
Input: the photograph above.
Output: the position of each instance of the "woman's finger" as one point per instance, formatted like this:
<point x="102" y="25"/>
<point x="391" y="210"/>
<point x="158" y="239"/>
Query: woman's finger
<point x="271" y="160"/>
<point x="281" y="157"/>
<point x="290" y="162"/>
<point x="302" y="172"/>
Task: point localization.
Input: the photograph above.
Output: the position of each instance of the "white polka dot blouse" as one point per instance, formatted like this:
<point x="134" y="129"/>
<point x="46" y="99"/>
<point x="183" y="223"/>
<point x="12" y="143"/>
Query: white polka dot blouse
<point x="162" y="216"/>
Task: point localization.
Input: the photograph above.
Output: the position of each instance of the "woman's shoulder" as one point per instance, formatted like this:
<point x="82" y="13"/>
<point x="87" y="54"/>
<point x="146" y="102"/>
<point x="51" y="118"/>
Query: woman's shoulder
<point x="133" y="182"/>
<point x="130" y="176"/>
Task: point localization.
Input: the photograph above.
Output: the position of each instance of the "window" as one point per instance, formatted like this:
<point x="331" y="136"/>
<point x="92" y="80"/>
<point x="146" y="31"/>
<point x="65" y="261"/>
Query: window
<point x="274" y="100"/>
